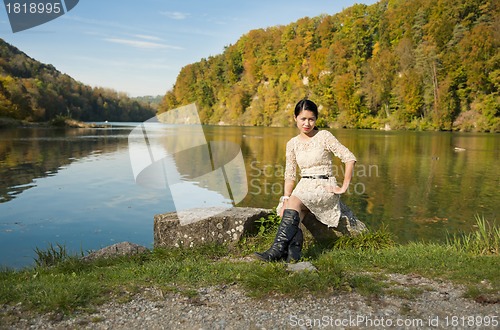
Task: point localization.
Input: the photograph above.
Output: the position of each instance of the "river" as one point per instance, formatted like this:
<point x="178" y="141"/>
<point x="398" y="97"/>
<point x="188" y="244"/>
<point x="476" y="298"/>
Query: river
<point x="76" y="187"/>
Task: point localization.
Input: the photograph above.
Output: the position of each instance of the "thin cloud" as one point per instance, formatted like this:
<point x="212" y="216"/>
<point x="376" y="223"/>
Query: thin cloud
<point x="146" y="37"/>
<point x="175" y="15"/>
<point x="141" y="44"/>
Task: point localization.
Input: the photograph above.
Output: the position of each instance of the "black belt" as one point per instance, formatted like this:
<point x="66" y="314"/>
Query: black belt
<point x="315" y="176"/>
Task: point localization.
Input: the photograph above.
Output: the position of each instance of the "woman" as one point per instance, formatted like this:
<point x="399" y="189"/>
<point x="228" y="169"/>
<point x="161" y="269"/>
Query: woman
<point x="317" y="190"/>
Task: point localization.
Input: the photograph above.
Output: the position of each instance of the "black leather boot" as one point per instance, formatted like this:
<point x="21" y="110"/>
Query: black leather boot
<point x="295" y="247"/>
<point x="286" y="231"/>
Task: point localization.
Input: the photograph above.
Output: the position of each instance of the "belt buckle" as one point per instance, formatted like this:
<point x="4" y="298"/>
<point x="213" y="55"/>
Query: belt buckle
<point x="317" y="176"/>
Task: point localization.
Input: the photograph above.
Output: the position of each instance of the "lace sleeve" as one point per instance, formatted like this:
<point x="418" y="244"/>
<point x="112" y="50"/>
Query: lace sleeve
<point x="338" y="149"/>
<point x="291" y="162"/>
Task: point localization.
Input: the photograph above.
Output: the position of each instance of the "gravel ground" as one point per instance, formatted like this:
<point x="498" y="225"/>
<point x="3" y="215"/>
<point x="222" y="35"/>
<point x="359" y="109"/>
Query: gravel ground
<point x="415" y="303"/>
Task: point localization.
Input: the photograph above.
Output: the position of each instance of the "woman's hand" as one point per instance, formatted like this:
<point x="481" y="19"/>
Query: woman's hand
<point x="349" y="170"/>
<point x="335" y="189"/>
<point x="284" y="204"/>
<point x="283" y="208"/>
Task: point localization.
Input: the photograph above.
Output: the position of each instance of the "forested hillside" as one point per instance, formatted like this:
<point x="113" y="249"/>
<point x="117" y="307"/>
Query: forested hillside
<point x="404" y="64"/>
<point x="33" y="91"/>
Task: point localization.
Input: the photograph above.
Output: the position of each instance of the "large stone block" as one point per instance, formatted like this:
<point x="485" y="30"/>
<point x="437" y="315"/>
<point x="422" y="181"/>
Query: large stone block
<point x="228" y="226"/>
<point x="349" y="225"/>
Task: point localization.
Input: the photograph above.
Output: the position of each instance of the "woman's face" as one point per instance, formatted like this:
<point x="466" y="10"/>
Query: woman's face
<point x="306" y="120"/>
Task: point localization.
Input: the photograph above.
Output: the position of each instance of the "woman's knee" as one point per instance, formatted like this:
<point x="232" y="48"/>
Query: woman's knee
<point x="296" y="204"/>
<point x="293" y="202"/>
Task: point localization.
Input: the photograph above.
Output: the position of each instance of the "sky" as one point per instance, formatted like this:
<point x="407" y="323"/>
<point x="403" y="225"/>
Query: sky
<point x="139" y="47"/>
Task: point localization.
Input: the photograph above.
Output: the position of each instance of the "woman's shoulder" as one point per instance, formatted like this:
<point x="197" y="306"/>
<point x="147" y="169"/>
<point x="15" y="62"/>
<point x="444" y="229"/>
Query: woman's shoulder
<point x="324" y="134"/>
<point x="327" y="138"/>
<point x="292" y="142"/>
<point x="295" y="138"/>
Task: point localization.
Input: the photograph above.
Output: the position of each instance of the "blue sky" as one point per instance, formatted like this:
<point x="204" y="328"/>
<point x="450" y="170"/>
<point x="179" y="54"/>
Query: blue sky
<point x="139" y="47"/>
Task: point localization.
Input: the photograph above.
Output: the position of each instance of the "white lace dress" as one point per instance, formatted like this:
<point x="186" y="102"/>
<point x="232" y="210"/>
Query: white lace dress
<point x="314" y="157"/>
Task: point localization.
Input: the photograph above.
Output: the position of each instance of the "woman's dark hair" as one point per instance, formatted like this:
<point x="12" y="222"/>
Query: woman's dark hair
<point x="306" y="104"/>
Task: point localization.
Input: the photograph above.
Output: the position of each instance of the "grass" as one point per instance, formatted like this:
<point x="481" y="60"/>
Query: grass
<point x="53" y="255"/>
<point x="485" y="240"/>
<point x="61" y="283"/>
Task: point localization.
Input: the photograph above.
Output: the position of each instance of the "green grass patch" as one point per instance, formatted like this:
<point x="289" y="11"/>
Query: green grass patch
<point x="373" y="241"/>
<point x="66" y="284"/>
<point x="485" y="240"/>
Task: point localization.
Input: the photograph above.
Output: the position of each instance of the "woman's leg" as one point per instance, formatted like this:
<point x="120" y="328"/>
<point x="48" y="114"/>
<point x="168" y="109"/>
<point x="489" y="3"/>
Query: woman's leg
<point x="296" y="204"/>
<point x="287" y="244"/>
<point x="287" y="229"/>
<point x="295" y="246"/>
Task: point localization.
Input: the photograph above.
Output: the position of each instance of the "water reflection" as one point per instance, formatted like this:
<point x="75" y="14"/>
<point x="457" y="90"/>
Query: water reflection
<point x="76" y="186"/>
<point x="27" y="154"/>
<point x="422" y="185"/>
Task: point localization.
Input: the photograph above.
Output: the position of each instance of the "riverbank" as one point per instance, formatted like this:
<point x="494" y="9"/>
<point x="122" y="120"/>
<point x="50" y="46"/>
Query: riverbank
<point x="57" y="122"/>
<point x="428" y="304"/>
<point x="216" y="286"/>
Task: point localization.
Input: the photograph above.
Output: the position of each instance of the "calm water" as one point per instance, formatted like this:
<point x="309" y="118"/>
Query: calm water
<point x="76" y="187"/>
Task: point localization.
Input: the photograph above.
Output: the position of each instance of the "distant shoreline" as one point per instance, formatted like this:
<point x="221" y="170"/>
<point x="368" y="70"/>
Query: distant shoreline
<point x="63" y="122"/>
<point x="6" y="122"/>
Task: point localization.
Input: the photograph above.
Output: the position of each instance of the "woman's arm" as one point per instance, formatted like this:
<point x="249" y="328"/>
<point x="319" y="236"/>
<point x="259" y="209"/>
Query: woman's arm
<point x="347" y="157"/>
<point x="289" y="184"/>
<point x="349" y="171"/>
<point x="288" y="189"/>
<point x="290" y="174"/>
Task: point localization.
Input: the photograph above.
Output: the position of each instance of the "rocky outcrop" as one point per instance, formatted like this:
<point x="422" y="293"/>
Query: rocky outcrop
<point x="227" y="226"/>
<point x="230" y="225"/>
<point x="116" y="250"/>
